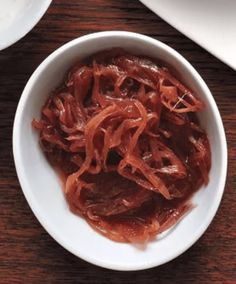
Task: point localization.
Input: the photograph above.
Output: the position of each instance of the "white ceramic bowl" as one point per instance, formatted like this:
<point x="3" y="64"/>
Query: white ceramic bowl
<point x="41" y="184"/>
<point x="18" y="17"/>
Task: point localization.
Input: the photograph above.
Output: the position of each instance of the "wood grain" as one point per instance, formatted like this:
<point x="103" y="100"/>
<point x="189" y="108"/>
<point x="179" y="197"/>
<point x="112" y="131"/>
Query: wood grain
<point x="27" y="253"/>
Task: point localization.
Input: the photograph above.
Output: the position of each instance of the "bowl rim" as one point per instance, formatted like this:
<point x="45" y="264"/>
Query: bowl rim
<point x="19" y="160"/>
<point x="25" y="29"/>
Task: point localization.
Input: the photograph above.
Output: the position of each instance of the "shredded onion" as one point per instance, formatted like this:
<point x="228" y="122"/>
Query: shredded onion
<point x="123" y="134"/>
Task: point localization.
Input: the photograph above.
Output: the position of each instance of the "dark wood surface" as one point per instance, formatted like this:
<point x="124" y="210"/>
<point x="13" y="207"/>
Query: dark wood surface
<point x="27" y="253"/>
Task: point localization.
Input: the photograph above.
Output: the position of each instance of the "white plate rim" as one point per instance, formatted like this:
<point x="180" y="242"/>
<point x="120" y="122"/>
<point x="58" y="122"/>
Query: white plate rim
<point x="26" y="29"/>
<point x="189" y="35"/>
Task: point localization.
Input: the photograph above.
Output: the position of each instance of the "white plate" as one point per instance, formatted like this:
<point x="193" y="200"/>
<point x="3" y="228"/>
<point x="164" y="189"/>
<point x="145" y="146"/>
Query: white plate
<point x="210" y="23"/>
<point x="18" y="17"/>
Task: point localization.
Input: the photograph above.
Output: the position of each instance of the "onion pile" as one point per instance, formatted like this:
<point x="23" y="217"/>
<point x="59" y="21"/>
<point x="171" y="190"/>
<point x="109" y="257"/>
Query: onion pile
<point x="123" y="134"/>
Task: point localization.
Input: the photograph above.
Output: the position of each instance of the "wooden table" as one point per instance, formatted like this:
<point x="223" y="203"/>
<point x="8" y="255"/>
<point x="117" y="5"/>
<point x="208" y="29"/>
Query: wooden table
<point x="27" y="253"/>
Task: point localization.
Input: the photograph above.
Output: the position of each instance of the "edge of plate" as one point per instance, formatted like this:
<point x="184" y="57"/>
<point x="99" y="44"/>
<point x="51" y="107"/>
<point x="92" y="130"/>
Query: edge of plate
<point x="45" y="5"/>
<point x="187" y="34"/>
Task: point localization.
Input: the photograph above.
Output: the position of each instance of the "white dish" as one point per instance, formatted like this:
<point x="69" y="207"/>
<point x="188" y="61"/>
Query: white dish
<point x="18" y="17"/>
<point x="42" y="187"/>
<point x="211" y="23"/>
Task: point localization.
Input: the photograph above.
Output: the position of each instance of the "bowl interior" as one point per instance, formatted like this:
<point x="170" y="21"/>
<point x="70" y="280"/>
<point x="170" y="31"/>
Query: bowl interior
<point x="42" y="187"/>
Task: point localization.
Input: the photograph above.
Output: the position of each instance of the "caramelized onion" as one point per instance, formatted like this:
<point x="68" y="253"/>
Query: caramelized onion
<point x="123" y="133"/>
